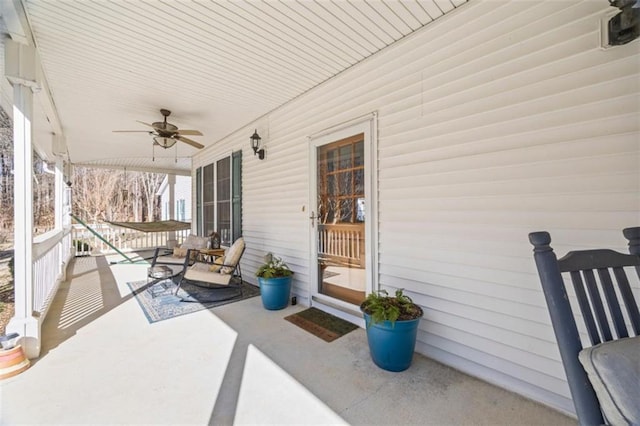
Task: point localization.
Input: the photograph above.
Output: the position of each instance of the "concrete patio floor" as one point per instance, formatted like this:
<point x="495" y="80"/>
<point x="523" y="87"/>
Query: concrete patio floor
<point x="103" y="363"/>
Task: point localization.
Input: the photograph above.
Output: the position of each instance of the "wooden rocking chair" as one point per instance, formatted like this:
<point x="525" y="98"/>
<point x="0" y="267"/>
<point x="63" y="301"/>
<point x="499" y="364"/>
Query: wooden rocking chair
<point x="603" y="378"/>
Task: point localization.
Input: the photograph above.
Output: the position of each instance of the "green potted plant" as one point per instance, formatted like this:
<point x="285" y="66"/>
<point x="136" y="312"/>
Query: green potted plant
<point x="392" y="326"/>
<point x="274" y="278"/>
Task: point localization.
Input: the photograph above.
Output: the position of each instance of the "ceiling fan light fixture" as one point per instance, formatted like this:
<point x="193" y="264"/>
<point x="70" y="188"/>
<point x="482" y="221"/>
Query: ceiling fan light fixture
<point x="166" y="135"/>
<point x="164" y="142"/>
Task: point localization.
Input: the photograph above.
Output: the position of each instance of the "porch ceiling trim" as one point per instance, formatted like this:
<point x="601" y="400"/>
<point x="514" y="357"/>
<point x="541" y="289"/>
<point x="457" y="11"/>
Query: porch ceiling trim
<point x="218" y="66"/>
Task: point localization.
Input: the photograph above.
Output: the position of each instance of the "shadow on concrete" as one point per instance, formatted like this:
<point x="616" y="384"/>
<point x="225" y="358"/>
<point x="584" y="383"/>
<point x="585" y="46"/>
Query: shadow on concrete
<point x="89" y="292"/>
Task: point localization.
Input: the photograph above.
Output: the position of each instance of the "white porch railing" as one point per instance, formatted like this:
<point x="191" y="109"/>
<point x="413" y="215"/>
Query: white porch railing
<point x="124" y="239"/>
<point x="343" y="244"/>
<point x="51" y="253"/>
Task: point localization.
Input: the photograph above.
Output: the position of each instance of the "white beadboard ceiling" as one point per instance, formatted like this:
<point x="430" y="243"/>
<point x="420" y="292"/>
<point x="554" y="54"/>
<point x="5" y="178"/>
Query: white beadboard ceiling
<point x="217" y="65"/>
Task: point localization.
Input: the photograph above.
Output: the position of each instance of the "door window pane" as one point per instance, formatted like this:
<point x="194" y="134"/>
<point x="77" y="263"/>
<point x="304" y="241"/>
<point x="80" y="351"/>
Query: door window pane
<point x="358" y="157"/>
<point x="344" y="183"/>
<point x="340" y="229"/>
<point x="358" y="182"/>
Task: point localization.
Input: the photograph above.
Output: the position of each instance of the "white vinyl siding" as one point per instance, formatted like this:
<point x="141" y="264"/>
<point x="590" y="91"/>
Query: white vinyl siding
<point x="497" y="120"/>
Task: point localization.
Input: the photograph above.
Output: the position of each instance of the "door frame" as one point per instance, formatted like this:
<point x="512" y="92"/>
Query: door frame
<point x="367" y="125"/>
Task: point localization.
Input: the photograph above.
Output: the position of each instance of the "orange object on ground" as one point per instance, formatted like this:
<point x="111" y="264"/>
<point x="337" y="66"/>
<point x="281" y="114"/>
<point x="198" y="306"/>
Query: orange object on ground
<point x="12" y="362"/>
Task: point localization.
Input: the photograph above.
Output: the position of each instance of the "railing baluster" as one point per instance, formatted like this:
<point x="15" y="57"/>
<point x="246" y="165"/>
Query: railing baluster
<point x="341" y="241"/>
<point x="47" y="269"/>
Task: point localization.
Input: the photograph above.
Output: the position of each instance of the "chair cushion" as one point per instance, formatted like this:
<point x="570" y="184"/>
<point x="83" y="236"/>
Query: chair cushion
<point x="614" y="371"/>
<point x="217" y="264"/>
<point x="180" y="251"/>
<point x="194" y="242"/>
<point x="170" y="259"/>
<point x="200" y="272"/>
<point x="233" y="256"/>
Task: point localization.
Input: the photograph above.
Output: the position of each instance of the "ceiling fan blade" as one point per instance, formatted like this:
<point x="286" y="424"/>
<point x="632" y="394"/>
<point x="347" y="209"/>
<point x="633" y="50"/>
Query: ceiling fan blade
<point x="130" y="131"/>
<point x="146" y="124"/>
<point x="190" y="132"/>
<point x="190" y="142"/>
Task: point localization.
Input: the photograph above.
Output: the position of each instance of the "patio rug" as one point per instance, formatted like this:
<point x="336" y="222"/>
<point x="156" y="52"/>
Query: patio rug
<point x="190" y="298"/>
<point x="326" y="326"/>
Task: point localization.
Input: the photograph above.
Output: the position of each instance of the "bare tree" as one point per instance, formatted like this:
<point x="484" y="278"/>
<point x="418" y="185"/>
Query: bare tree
<point x="98" y="194"/>
<point x="43" y="185"/>
<point x="6" y="177"/>
<point x="43" y="196"/>
<point x="110" y="195"/>
<point x="93" y="193"/>
<point x="150" y="185"/>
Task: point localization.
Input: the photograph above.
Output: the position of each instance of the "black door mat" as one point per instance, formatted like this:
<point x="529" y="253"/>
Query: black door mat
<point x="326" y="326"/>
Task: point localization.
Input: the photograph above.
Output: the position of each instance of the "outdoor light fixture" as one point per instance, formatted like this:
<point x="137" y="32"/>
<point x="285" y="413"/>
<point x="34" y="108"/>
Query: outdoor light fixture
<point x="625" y="26"/>
<point x="164" y="142"/>
<point x="255" y="144"/>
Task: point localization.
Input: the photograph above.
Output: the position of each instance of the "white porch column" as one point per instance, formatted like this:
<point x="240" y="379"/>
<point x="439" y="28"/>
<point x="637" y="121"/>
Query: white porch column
<point x="60" y="211"/>
<point x="171" y="181"/>
<point x="67" y="201"/>
<point x="21" y="74"/>
<point x="23" y="321"/>
<point x="59" y="193"/>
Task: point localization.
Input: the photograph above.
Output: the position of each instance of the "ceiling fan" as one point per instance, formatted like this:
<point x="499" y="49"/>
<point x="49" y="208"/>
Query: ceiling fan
<point x="165" y="135"/>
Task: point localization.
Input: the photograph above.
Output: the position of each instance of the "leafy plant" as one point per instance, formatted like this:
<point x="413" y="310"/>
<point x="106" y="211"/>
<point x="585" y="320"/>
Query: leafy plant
<point x="274" y="267"/>
<point x="383" y="307"/>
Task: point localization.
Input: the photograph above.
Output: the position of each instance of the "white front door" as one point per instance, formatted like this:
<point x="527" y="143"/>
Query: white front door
<point x="342" y="216"/>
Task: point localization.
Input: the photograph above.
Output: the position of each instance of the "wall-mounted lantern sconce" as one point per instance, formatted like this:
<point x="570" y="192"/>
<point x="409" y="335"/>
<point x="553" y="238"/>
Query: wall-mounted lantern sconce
<point x="255" y="144"/>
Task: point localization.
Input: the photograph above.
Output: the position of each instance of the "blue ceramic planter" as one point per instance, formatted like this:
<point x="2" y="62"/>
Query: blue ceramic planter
<point x="275" y="292"/>
<point x="392" y="346"/>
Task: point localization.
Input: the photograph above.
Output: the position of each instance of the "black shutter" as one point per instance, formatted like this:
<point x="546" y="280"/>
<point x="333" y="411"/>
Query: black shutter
<point x="199" y="201"/>
<point x="236" y="202"/>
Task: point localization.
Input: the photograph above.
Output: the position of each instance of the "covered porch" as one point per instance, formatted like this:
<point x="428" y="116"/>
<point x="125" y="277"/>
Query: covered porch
<point x="103" y="362"/>
<point x="480" y="121"/>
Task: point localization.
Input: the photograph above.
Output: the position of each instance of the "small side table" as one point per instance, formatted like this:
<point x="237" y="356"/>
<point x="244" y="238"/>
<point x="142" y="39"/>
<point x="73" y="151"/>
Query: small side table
<point x="205" y="255"/>
<point x="157" y="274"/>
